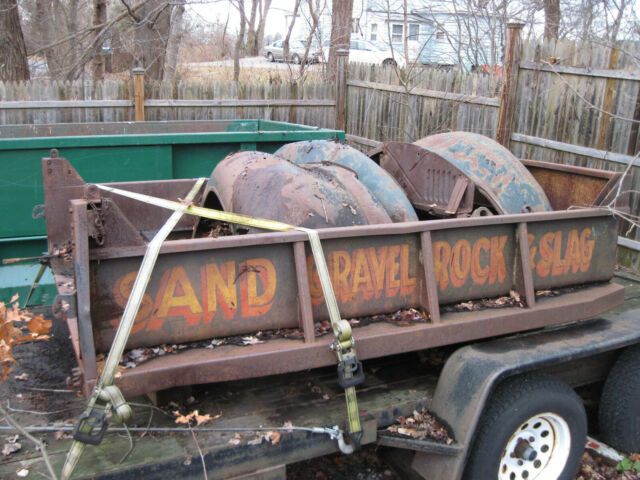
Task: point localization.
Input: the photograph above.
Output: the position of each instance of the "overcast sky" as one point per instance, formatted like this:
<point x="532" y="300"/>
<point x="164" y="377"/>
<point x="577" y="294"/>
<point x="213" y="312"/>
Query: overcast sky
<point x="217" y="10"/>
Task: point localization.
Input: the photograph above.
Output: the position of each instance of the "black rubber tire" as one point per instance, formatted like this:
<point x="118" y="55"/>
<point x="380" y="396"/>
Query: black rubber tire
<point x="270" y="57"/>
<point x="389" y="62"/>
<point x="296" y="59"/>
<point x="514" y="401"/>
<point x="619" y="415"/>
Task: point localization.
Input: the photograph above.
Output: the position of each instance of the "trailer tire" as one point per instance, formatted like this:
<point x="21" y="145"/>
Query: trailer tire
<point x="619" y="414"/>
<point x="552" y="417"/>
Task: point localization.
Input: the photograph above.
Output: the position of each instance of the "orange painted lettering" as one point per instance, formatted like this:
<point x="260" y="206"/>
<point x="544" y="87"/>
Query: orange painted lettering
<point x="377" y="263"/>
<point x="393" y="268"/>
<point x="557" y="265"/>
<point x="460" y="262"/>
<point x="479" y="273"/>
<point x="497" y="267"/>
<point x="441" y="254"/>
<point x="586" y="248"/>
<point x="254" y="303"/>
<point x="219" y="289"/>
<point x="546" y="254"/>
<point x="407" y="284"/>
<point x="179" y="299"/>
<point x="121" y="293"/>
<point x="341" y="263"/>
<point x="361" y="276"/>
<point x="572" y="255"/>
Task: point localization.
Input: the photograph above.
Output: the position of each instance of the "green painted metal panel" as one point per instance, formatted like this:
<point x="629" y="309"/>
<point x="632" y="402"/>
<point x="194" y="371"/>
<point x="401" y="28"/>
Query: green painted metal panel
<point x="109" y="152"/>
<point x="22" y="177"/>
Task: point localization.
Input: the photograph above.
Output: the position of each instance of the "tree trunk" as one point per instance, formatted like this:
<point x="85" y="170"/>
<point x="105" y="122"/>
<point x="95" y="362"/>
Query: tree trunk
<point x="551" y="19"/>
<point x="251" y="33"/>
<point x="13" y="53"/>
<point x="99" y="17"/>
<point x="285" y="44"/>
<point x="314" y="11"/>
<point x="261" y="24"/>
<point x="152" y="34"/>
<point x="175" y="38"/>
<point x="239" y="41"/>
<point x="340" y="34"/>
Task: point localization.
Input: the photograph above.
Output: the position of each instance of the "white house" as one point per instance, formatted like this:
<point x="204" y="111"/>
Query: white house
<point x="440" y="32"/>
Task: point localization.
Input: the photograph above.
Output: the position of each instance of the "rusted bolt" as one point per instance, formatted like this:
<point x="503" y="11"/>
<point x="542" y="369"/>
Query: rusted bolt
<point x="524" y="450"/>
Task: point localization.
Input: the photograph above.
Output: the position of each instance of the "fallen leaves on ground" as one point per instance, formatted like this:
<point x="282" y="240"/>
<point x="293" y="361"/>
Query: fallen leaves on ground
<point x="11" y="445"/>
<point x="594" y="467"/>
<point x="194" y="416"/>
<point x="420" y="426"/>
<point x="17" y="326"/>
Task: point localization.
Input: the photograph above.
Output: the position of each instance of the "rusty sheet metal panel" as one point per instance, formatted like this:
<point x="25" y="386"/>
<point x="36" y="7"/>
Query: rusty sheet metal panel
<point x="232" y="291"/>
<point x="433" y="184"/>
<point x="497" y="173"/>
<point x="474" y="262"/>
<point x="571" y="252"/>
<point x="568" y="185"/>
<point x="312" y="196"/>
<point x="383" y="187"/>
<point x="370" y="275"/>
<point x="198" y="295"/>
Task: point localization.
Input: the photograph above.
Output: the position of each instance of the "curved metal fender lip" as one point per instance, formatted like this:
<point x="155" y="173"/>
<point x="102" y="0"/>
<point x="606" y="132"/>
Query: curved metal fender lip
<point x="381" y="185"/>
<point x="508" y="185"/>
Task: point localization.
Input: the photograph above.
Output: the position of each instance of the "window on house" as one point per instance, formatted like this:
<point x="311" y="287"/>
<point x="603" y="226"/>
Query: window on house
<point x="441" y="34"/>
<point x="396" y="33"/>
<point x="374" y="32"/>
<point x="414" y="31"/>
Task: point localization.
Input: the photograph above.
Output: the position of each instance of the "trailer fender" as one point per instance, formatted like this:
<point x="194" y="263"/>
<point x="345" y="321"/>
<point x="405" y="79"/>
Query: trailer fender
<point x="472" y="372"/>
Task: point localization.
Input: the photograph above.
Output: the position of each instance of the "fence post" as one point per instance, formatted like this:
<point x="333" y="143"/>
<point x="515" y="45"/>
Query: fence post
<point x="341" y="89"/>
<point x="510" y="85"/>
<point x="138" y="93"/>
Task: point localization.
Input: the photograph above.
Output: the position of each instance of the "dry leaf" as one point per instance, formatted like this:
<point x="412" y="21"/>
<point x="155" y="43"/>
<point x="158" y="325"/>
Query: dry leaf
<point x="236" y="439"/>
<point x="255" y="441"/>
<point x="23" y="472"/>
<point x="199" y="419"/>
<point x="22" y="376"/>
<point x="14" y="298"/>
<point x="10" y="448"/>
<point x="272" y="436"/>
<point x="61" y="435"/>
<point x="38" y="325"/>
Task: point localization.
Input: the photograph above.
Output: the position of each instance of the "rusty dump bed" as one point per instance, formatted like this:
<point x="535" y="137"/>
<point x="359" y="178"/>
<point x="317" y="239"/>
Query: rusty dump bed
<point x="204" y="288"/>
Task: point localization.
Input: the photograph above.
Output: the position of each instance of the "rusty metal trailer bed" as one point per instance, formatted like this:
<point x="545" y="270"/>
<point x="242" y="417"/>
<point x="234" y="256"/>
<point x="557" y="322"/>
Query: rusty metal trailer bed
<point x="205" y="288"/>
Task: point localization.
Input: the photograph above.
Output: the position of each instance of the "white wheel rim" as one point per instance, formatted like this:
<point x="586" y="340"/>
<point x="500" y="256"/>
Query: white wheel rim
<point x="546" y="434"/>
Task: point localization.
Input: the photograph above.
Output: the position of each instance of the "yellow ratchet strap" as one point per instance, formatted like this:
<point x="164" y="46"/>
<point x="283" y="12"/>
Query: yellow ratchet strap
<point x="350" y="372"/>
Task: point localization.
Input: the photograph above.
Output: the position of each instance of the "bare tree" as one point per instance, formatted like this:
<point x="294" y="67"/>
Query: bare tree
<point x="315" y="10"/>
<point x="255" y="25"/>
<point x="551" y="18"/>
<point x="175" y="38"/>
<point x="239" y="4"/>
<point x="99" y="17"/>
<point x="13" y="53"/>
<point x="287" y="38"/>
<point x="341" y="13"/>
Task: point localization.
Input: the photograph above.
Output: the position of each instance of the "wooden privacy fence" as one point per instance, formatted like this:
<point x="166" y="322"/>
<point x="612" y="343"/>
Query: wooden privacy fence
<point x="47" y="101"/>
<point x="564" y="102"/>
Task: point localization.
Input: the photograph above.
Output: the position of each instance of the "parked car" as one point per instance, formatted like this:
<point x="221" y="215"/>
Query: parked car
<point x="275" y="52"/>
<point x="367" y="52"/>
